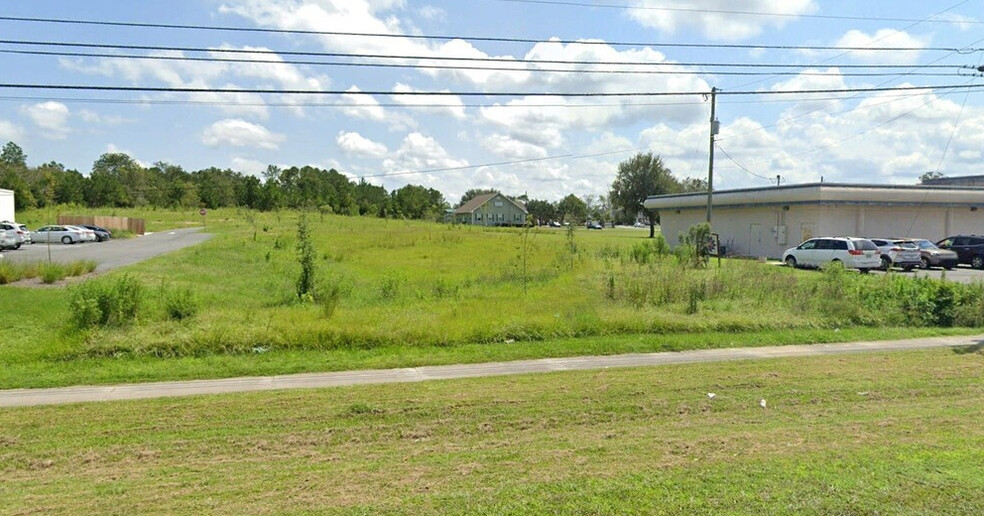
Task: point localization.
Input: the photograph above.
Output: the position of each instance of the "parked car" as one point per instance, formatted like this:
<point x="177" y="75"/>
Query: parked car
<point x="63" y="234"/>
<point x="932" y="256"/>
<point x="554" y="224"/>
<point x="595" y="225"/>
<point x="6" y="242"/>
<point x="88" y="235"/>
<point x="21" y="229"/>
<point x="969" y="249"/>
<point x="898" y="253"/>
<point x="854" y="253"/>
<point x="15" y="235"/>
<point x="102" y="234"/>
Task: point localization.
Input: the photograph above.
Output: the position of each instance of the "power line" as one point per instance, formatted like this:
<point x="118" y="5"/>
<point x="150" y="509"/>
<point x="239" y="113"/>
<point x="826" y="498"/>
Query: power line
<point x="510" y="60"/>
<point x="475" y="38"/>
<point x="78" y="87"/>
<point x="728" y="12"/>
<point x="459" y="67"/>
<point x="189" y="101"/>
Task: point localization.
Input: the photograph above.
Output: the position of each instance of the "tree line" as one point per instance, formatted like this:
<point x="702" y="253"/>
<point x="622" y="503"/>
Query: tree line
<point x="117" y="180"/>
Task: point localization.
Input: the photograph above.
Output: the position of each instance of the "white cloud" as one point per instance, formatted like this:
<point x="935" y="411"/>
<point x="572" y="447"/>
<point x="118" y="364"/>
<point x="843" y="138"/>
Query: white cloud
<point x="512" y="149"/>
<point x="9" y="131"/>
<point x="354" y="144"/>
<point x="450" y="105"/>
<point x="962" y="22"/>
<point x="884" y="38"/>
<point x="51" y="117"/>
<point x="240" y="133"/>
<point x="420" y="152"/>
<point x="92" y="117"/>
<point x="249" y="166"/>
<point x="429" y="12"/>
<point x="716" y="19"/>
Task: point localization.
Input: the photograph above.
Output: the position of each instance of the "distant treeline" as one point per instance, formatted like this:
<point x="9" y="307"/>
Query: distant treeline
<point x="117" y="180"/>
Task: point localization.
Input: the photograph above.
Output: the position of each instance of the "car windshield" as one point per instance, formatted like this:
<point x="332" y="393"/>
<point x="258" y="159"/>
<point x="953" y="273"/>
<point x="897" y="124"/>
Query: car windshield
<point x="865" y="245"/>
<point x="925" y="244"/>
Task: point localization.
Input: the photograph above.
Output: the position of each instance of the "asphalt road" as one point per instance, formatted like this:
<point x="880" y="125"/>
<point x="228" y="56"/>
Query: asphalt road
<point x="112" y="253"/>
<point x="28" y="397"/>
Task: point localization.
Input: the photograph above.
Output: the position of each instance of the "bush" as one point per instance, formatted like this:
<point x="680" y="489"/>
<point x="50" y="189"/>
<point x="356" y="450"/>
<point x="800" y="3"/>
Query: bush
<point x="52" y="272"/>
<point x="106" y="303"/>
<point x="180" y="304"/>
<point x="328" y="294"/>
<point x="645" y="252"/>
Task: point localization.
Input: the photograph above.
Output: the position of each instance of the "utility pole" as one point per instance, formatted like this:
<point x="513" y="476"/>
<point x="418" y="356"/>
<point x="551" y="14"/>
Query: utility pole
<point x="710" y="163"/>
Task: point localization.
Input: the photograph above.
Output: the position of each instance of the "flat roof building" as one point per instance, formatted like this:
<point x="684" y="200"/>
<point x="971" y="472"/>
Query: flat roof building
<point x="767" y="221"/>
<point x="6" y="204"/>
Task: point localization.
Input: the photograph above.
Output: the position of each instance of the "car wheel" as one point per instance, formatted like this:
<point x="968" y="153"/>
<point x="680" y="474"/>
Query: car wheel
<point x="977" y="262"/>
<point x="886" y="263"/>
<point x="863" y="271"/>
<point x="66" y="240"/>
<point x="791" y="262"/>
<point x="17" y="246"/>
<point x="924" y="263"/>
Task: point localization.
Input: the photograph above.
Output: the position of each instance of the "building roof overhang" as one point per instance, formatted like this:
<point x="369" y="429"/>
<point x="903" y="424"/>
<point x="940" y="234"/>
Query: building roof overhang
<point x="825" y="193"/>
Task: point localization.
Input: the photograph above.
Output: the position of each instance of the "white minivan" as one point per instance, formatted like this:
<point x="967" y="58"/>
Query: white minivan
<point x="854" y="253"/>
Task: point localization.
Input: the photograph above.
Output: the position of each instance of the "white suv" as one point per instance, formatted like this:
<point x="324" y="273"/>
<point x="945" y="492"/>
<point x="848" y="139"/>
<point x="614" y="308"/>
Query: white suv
<point x="15" y="234"/>
<point x="853" y="253"/>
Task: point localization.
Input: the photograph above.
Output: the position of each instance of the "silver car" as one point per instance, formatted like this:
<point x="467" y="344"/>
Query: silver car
<point x="898" y="253"/>
<point x="63" y="234"/>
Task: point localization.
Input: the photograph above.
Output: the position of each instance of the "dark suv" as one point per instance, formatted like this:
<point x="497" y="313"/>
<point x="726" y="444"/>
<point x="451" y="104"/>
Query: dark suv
<point x="969" y="249"/>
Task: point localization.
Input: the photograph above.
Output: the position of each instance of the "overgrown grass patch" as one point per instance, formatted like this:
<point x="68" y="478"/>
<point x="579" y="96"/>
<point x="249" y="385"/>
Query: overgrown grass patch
<point x="392" y="284"/>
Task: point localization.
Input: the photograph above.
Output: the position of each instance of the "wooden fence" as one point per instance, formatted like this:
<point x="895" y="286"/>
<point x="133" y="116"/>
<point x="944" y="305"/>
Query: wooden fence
<point x="135" y="226"/>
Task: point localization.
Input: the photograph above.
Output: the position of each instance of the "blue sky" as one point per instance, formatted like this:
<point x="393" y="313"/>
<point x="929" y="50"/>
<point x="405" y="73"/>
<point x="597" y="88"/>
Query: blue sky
<point x="546" y="147"/>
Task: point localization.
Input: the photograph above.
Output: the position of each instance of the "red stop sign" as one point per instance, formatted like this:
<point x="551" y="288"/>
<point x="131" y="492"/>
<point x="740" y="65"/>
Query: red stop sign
<point x="202" y="212"/>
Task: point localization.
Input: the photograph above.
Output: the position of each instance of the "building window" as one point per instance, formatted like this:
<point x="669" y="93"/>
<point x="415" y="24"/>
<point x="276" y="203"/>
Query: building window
<point x="498" y="204"/>
<point x="478" y="217"/>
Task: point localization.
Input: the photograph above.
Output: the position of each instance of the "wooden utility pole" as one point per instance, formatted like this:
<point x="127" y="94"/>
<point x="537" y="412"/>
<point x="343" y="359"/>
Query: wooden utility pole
<point x="710" y="161"/>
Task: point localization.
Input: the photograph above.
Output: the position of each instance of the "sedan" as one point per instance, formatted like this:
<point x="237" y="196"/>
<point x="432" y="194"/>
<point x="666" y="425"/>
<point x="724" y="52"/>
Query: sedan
<point x="88" y="235"/>
<point x="102" y="234"/>
<point x="63" y="234"/>
<point x="932" y="256"/>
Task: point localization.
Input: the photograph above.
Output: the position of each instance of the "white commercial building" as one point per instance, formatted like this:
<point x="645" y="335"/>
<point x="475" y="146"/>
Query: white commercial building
<point x="767" y="221"/>
<point x="6" y="205"/>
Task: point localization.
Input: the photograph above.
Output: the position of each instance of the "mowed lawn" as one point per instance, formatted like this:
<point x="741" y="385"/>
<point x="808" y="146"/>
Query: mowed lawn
<point x="412" y="293"/>
<point x="894" y="433"/>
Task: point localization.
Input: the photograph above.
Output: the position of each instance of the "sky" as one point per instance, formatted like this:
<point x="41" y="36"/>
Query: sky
<point x="542" y="141"/>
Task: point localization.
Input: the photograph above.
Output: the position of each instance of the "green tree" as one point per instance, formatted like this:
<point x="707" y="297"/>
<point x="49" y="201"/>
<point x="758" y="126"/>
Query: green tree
<point x="13" y="155"/>
<point x="932" y="174"/>
<point x="541" y="211"/>
<point x="572" y="208"/>
<point x="639" y="177"/>
<point x="418" y="202"/>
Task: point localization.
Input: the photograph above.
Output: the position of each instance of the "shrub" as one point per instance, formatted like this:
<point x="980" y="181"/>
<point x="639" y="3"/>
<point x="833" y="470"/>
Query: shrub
<point x="106" y="303"/>
<point x="52" y="272"/>
<point x="180" y="304"/>
<point x="8" y="272"/>
<point x="328" y="294"/>
<point x="306" y="256"/>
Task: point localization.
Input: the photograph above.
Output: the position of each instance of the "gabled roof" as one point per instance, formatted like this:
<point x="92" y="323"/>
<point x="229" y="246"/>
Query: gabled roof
<point x="476" y="202"/>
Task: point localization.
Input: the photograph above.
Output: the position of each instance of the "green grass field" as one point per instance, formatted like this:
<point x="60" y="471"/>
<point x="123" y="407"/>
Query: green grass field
<point x="412" y="293"/>
<point x="895" y="433"/>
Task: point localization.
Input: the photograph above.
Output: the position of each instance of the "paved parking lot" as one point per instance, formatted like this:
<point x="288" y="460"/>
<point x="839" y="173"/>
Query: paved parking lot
<point x="112" y="253"/>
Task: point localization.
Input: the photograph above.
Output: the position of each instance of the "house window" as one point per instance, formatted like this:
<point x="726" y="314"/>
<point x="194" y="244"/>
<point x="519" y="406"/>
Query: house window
<point x="498" y="204"/>
<point x="478" y="216"/>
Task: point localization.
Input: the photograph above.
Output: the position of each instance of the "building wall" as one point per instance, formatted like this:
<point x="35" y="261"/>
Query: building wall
<point x="770" y="230"/>
<point x="6" y="205"/>
<point x="498" y="211"/>
<point x="748" y="230"/>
